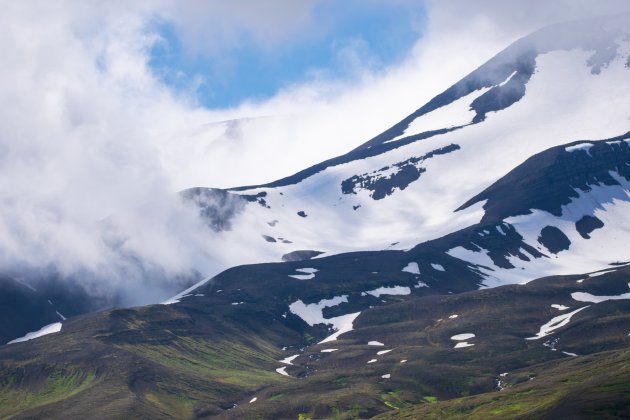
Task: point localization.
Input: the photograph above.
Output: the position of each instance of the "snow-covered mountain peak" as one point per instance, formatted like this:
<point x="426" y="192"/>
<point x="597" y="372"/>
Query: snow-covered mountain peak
<point x="503" y="80"/>
<point x="562" y="84"/>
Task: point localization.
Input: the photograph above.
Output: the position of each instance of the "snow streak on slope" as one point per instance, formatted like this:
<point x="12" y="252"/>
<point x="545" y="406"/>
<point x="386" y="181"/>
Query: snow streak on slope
<point x="48" y="329"/>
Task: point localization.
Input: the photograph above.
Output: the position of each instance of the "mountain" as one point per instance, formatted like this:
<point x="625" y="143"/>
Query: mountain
<point x="563" y="85"/>
<point x="469" y="261"/>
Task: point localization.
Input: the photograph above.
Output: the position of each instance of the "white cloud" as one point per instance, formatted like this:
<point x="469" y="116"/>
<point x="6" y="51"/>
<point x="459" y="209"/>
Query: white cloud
<point x="93" y="147"/>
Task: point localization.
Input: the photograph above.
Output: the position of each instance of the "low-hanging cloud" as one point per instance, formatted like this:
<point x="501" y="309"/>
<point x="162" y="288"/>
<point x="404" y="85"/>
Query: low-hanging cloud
<point x="93" y="148"/>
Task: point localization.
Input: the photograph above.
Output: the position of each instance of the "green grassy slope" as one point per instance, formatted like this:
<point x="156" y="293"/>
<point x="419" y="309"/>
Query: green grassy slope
<point x="205" y="358"/>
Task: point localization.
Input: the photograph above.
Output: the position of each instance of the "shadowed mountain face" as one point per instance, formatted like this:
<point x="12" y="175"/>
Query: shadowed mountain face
<point x="355" y="291"/>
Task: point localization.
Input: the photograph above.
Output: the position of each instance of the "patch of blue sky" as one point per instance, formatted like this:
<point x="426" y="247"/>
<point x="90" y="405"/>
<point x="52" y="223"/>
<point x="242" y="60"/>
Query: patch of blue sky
<point x="343" y="39"/>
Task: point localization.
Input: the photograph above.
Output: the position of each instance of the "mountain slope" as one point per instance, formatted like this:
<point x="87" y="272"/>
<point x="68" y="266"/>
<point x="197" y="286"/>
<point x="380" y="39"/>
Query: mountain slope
<point x="414" y="176"/>
<point x="207" y="357"/>
<point x="352" y="289"/>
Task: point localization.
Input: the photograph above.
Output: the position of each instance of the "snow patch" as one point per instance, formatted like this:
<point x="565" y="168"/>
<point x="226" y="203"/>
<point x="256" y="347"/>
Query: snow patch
<point x="437" y="267"/>
<point x="460" y="337"/>
<point x="187" y="292"/>
<point x="601" y="273"/>
<point x="559" y="307"/>
<point x="328" y="350"/>
<point x="288" y="360"/>
<point x="586" y="147"/>
<point x="453" y="316"/>
<point x="372" y="361"/>
<point x="412" y="268"/>
<point x="382" y="352"/>
<point x="343" y="324"/>
<point x="555" y="323"/>
<point x="282" y="371"/>
<point x="312" y="314"/>
<point x="463" y="344"/>
<point x="391" y="291"/>
<point x="375" y="343"/>
<point x="587" y="297"/>
<point x="48" y="329"/>
<point x="386" y="376"/>
<point x="307" y="273"/>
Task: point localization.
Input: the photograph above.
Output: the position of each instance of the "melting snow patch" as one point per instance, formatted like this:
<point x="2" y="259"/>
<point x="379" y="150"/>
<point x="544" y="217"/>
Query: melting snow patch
<point x="312" y="314"/>
<point x="453" y="316"/>
<point x="412" y="268"/>
<point x="307" y="273"/>
<point x="421" y="284"/>
<point x="48" y="329"/>
<point x="253" y="400"/>
<point x="187" y="292"/>
<point x="437" y="267"/>
<point x="288" y="360"/>
<point x="328" y="350"/>
<point x="282" y="371"/>
<point x="462" y="345"/>
<point x="375" y="343"/>
<point x="372" y="361"/>
<point x="237" y="303"/>
<point x="587" y="297"/>
<point x="390" y="291"/>
<point x="386" y="376"/>
<point x="382" y="352"/>
<point x="570" y="354"/>
<point x="555" y="323"/>
<point x="601" y="273"/>
<point x="586" y="147"/>
<point x="460" y="337"/>
<point x="559" y="307"/>
<point x="405" y="360"/>
<point x="580" y="281"/>
<point x="343" y="324"/>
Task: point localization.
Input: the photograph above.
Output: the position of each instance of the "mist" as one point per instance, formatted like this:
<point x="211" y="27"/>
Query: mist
<point x="94" y="149"/>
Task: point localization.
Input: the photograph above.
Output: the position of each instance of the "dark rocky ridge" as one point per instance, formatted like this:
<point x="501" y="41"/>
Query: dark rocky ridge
<point x="550" y="179"/>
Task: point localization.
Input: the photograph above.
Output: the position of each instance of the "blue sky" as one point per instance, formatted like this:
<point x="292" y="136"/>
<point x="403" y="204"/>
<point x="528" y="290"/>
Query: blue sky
<point x="338" y="42"/>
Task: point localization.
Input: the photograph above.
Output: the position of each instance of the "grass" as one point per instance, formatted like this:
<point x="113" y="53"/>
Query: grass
<point x="179" y="406"/>
<point x="226" y="362"/>
<point x="58" y="386"/>
<point x="603" y="383"/>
